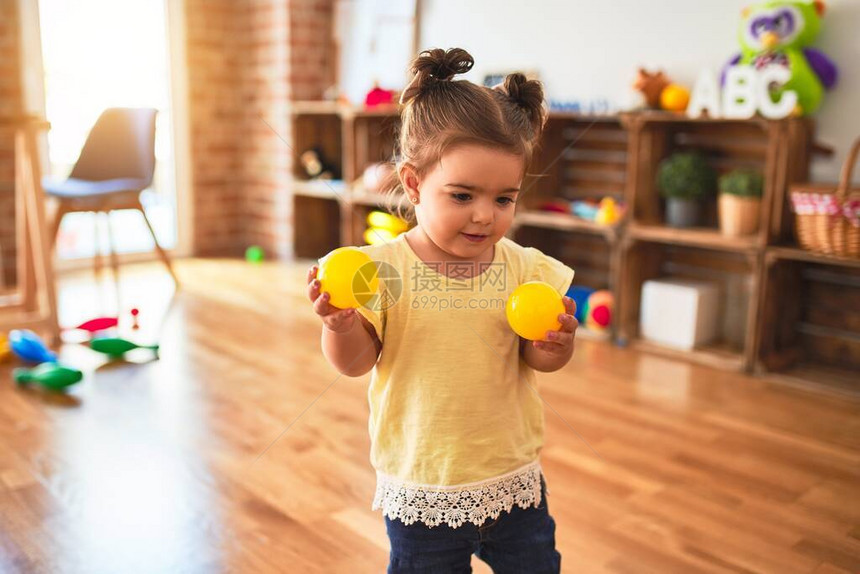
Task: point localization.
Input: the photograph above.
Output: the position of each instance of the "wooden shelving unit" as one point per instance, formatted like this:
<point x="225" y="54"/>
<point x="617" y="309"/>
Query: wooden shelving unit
<point x="583" y="157"/>
<point x="653" y="250"/>
<point x="810" y="327"/>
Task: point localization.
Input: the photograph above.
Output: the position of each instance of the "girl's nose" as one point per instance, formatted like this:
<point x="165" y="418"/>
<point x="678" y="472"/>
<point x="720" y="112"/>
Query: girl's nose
<point x="482" y="213"/>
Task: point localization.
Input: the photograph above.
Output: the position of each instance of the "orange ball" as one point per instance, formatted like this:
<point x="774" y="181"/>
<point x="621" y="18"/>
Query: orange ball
<point x="674" y="98"/>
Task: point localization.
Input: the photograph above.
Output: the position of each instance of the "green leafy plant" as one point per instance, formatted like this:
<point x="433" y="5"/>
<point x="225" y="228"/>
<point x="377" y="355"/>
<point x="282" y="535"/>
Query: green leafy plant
<point x="742" y="182"/>
<point x="686" y="175"/>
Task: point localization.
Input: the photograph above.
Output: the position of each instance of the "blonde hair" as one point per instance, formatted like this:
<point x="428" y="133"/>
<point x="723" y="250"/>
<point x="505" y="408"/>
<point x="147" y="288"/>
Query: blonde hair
<point x="438" y="112"/>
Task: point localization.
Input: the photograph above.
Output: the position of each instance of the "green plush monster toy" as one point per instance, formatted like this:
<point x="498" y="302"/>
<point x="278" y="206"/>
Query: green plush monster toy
<point x="779" y="33"/>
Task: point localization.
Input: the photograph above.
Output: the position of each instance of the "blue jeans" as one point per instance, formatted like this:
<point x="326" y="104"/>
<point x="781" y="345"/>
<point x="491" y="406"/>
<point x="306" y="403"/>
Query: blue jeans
<point x="517" y="541"/>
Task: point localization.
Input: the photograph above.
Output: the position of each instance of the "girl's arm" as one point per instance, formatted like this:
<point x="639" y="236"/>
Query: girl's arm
<point x="353" y="351"/>
<point x="552" y="354"/>
<point x="349" y="344"/>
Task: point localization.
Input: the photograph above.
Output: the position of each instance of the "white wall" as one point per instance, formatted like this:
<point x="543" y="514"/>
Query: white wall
<point x="586" y="49"/>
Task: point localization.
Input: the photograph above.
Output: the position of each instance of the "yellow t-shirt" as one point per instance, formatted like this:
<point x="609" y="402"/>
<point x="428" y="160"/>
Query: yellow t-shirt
<point x="454" y="407"/>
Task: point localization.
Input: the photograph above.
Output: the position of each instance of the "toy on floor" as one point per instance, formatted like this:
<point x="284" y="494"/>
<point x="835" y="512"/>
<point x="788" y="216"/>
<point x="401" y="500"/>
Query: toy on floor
<point x="599" y="311"/>
<point x="50" y="375"/>
<point x="533" y="309"/>
<point x="98" y="324"/>
<point x="116" y="347"/>
<point x="780" y="34"/>
<point x="29" y="347"/>
<point x="349" y="276"/>
<point x="5" y="350"/>
<point x="254" y="254"/>
<point x="134" y="318"/>
<point x="580" y="297"/>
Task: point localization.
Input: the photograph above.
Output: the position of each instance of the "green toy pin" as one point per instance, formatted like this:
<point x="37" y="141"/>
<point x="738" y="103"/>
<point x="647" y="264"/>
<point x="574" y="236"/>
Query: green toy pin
<point x="50" y="375"/>
<point x="116" y="347"/>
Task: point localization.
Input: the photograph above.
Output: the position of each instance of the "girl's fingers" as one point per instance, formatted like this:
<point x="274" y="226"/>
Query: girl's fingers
<point x="340" y="320"/>
<point x="568" y="323"/>
<point x="569" y="305"/>
<point x="562" y="338"/>
<point x="322" y="306"/>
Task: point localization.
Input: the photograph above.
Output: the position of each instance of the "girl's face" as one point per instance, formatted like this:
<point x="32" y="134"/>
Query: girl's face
<point x="467" y="199"/>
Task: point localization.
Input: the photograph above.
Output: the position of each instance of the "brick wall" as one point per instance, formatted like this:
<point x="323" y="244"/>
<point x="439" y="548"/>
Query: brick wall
<point x="11" y="104"/>
<point x="247" y="61"/>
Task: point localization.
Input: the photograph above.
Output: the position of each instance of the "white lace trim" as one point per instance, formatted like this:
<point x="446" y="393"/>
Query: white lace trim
<point x="454" y="505"/>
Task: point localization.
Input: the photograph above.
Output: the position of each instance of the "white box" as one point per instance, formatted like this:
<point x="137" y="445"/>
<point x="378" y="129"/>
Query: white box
<point x="679" y="313"/>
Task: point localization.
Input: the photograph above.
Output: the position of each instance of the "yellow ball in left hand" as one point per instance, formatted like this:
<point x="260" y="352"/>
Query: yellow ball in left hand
<point x="349" y="276"/>
<point x="533" y="309"/>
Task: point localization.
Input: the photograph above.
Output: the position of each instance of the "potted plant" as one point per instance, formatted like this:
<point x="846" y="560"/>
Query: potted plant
<point x="685" y="179"/>
<point x="740" y="202"/>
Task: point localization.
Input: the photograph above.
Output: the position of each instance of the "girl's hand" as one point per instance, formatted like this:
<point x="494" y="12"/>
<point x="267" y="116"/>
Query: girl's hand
<point x="335" y="319"/>
<point x="561" y="342"/>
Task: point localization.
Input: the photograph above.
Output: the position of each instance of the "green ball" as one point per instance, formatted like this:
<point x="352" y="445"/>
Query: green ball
<point x="254" y="254"/>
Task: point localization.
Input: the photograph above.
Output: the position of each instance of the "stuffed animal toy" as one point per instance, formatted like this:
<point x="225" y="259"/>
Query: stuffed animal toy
<point x="651" y="86"/>
<point x="780" y="33"/>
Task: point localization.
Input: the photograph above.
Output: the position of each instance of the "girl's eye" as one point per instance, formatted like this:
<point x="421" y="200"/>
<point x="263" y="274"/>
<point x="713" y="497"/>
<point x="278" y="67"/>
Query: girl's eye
<point x="461" y="196"/>
<point x="506" y="200"/>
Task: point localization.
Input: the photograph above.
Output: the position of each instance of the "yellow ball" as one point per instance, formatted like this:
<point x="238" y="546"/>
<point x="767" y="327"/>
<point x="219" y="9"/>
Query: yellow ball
<point x="349" y="276"/>
<point x="674" y="98"/>
<point x="387" y="221"/>
<point x="533" y="309"/>
<point x="378" y="235"/>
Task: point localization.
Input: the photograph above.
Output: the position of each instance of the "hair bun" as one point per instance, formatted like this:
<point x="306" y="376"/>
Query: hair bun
<point x="436" y="65"/>
<point x="528" y="95"/>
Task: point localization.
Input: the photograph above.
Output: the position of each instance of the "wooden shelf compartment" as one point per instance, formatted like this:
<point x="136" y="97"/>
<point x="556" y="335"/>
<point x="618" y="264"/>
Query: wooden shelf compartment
<point x="580" y="157"/>
<point x="564" y="222"/>
<point x="694" y="237"/>
<point x="767" y="146"/>
<point x="810" y="327"/>
<point x="734" y="273"/>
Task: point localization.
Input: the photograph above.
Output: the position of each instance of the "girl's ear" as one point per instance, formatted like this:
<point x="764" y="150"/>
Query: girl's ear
<point x="409" y="179"/>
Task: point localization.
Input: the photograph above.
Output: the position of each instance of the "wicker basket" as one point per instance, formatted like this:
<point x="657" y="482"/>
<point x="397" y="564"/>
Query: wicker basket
<point x="827" y="220"/>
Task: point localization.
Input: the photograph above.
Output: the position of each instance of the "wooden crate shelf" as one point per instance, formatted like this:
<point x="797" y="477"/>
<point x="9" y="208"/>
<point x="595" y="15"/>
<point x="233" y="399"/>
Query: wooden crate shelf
<point x="736" y="275"/>
<point x="320" y="188"/>
<point x="584" y="157"/>
<point x="696" y="237"/>
<point x="564" y="222"/>
<point x="810" y="325"/>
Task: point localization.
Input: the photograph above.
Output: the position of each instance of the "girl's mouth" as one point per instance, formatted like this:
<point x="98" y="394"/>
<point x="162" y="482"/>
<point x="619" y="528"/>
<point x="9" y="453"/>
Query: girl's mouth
<point x="475" y="238"/>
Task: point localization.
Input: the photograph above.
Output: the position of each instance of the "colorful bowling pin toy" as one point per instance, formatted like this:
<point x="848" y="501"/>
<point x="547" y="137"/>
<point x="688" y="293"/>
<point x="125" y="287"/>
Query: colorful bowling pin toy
<point x="28" y="346"/>
<point x="99" y="324"/>
<point x="533" y="309"/>
<point x="116" y="347"/>
<point x="50" y="375"/>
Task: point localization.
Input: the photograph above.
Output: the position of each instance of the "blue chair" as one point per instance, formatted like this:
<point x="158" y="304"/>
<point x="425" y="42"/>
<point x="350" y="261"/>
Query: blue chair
<point x="116" y="163"/>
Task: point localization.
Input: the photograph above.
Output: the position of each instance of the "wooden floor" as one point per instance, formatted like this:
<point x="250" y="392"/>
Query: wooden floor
<point x="155" y="465"/>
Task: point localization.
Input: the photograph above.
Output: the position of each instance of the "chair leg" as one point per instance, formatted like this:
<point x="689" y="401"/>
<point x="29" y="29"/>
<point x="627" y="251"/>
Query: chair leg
<point x="114" y="260"/>
<point x="54" y="231"/>
<point x="161" y="252"/>
<point x="97" y="251"/>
